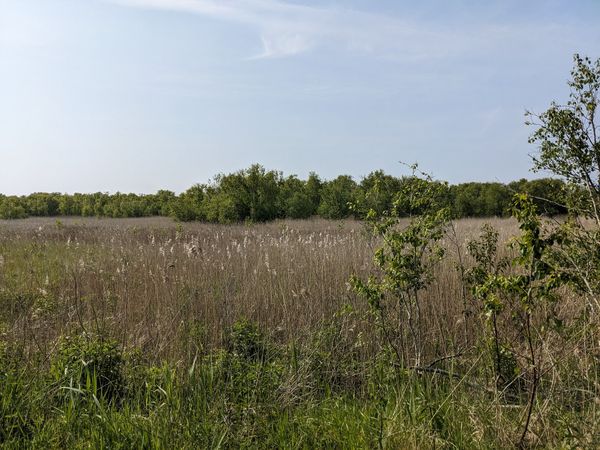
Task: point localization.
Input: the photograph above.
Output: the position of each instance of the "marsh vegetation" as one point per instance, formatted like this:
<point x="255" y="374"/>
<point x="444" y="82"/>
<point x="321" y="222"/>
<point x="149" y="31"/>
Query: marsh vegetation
<point x="410" y="328"/>
<point x="146" y="333"/>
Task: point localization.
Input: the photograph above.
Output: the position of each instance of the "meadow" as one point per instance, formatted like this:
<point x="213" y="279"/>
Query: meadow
<point x="147" y="333"/>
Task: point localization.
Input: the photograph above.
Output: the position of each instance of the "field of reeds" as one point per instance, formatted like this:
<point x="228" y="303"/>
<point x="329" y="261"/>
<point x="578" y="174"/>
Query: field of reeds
<point x="146" y="333"/>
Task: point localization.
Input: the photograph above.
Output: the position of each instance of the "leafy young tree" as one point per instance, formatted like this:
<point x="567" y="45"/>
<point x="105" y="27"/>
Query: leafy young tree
<point x="530" y="291"/>
<point x="568" y="137"/>
<point x="405" y="262"/>
<point x="550" y="257"/>
<point x="568" y="140"/>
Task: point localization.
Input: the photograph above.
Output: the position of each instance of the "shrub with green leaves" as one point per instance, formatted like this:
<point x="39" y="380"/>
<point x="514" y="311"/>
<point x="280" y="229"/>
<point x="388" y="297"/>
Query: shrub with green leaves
<point x="405" y="262"/>
<point x="245" y="340"/>
<point x="91" y="363"/>
<point x="529" y="289"/>
<point x="248" y="376"/>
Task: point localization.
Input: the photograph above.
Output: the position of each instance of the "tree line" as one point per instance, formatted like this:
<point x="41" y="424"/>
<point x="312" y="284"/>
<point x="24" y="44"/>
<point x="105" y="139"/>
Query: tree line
<point x="258" y="195"/>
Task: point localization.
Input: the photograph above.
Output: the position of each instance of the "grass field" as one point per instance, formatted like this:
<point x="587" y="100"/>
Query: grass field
<point x="250" y="335"/>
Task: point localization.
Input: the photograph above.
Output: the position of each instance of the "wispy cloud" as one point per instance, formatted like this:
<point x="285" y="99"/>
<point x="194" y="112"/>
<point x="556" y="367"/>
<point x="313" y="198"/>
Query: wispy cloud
<point x="287" y="29"/>
<point x="284" y="29"/>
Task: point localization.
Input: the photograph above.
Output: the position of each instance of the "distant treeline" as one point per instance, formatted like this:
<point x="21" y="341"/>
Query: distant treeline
<point x="258" y="195"/>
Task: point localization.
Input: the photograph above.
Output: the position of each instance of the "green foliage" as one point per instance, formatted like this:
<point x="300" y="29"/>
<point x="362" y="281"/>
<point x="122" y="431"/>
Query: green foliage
<point x="336" y="197"/>
<point x="484" y="251"/>
<point x="16" y="402"/>
<point x="568" y="139"/>
<point x="376" y="192"/>
<point x="92" y="363"/>
<point x="480" y="200"/>
<point x="188" y="205"/>
<point x="405" y="262"/>
<point x="219" y="207"/>
<point x="296" y="201"/>
<point x="253" y="193"/>
<point x="547" y="194"/>
<point x="12" y="208"/>
<point x="528" y="291"/>
<point x="487" y="268"/>
<point x="258" y="195"/>
<point x="568" y="135"/>
<point x="41" y="204"/>
<point x="245" y="340"/>
<point x="537" y="280"/>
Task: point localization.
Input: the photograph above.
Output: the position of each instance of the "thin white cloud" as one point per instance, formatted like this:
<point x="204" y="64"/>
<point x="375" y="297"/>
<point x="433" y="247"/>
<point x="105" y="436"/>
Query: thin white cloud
<point x="283" y="44"/>
<point x="287" y="29"/>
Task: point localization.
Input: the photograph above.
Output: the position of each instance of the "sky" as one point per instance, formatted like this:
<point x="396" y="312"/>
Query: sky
<point x="142" y="95"/>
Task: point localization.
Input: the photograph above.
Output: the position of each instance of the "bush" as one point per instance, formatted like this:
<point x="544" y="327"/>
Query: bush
<point x="92" y="363"/>
<point x="245" y="340"/>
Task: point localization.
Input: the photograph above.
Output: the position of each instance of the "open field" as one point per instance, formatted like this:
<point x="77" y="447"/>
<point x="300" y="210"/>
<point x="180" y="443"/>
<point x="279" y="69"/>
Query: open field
<point x="145" y="280"/>
<point x="289" y="224"/>
<point x="177" y="303"/>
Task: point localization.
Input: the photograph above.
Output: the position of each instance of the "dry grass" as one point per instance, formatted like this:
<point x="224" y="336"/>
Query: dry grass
<point x="155" y="284"/>
<point x="172" y="290"/>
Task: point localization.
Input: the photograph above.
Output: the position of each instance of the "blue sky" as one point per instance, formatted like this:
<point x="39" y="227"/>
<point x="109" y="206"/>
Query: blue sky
<point x="139" y="95"/>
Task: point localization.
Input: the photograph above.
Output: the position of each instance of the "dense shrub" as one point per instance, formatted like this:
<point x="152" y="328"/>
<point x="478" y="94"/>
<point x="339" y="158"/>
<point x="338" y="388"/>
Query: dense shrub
<point x="245" y="340"/>
<point x="92" y="363"/>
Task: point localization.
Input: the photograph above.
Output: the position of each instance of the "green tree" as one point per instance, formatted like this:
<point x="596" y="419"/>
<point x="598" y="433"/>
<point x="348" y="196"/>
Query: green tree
<point x="546" y="193"/>
<point x="568" y="141"/>
<point x="165" y="200"/>
<point x="219" y="207"/>
<point x="189" y="205"/>
<point x="480" y="200"/>
<point x="295" y="200"/>
<point x="567" y="137"/>
<point x="314" y="185"/>
<point x="336" y="197"/>
<point x="376" y="192"/>
<point x="42" y="204"/>
<point x="254" y="193"/>
<point x="12" y="208"/>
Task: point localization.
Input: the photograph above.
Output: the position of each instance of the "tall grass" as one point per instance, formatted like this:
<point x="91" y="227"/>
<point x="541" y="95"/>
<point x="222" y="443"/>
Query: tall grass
<point x="176" y="305"/>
